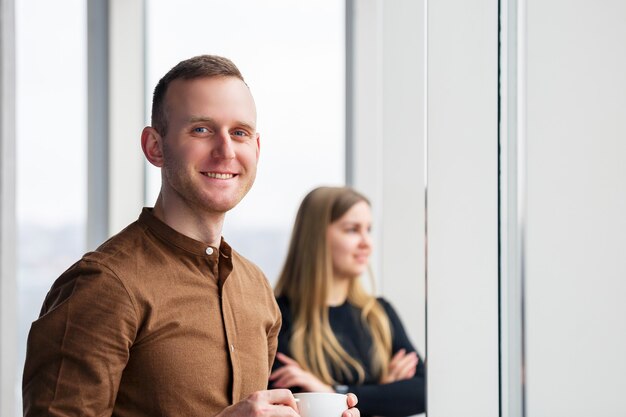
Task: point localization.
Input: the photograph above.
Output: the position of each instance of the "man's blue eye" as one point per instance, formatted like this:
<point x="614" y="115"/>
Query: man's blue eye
<point x="240" y="133"/>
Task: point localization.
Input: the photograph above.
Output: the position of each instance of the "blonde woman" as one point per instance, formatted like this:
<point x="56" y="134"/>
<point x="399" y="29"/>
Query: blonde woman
<point x="335" y="336"/>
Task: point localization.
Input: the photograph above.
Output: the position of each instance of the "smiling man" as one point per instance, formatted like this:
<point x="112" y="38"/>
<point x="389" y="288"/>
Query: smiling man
<point x="165" y="318"/>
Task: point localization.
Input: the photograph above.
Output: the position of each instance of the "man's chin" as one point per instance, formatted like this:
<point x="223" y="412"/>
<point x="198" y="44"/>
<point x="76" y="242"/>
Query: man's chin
<point x="222" y="201"/>
<point x="220" y="206"/>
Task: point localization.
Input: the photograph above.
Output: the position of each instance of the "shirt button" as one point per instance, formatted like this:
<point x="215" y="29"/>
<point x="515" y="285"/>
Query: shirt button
<point x="209" y="251"/>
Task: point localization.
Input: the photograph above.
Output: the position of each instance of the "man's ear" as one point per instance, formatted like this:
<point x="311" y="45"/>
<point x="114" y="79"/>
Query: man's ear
<point x="258" y="146"/>
<point x="152" y="146"/>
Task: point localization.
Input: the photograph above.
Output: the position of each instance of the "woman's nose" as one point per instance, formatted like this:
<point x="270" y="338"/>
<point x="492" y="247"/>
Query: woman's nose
<point x="366" y="239"/>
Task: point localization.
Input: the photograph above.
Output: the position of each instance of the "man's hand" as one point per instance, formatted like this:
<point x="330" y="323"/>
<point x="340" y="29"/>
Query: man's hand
<point x="402" y="366"/>
<point x="292" y="375"/>
<point x="270" y="403"/>
<point x="352" y="411"/>
<point x="277" y="403"/>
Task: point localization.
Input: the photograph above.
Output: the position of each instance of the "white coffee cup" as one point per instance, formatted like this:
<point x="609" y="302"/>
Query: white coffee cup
<point x="321" y="404"/>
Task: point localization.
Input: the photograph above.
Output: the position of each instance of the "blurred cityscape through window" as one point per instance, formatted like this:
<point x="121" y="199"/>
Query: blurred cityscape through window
<point x="51" y="147"/>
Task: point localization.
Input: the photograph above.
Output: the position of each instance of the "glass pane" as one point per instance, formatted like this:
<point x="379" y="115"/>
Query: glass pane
<point x="292" y="55"/>
<point x="51" y="151"/>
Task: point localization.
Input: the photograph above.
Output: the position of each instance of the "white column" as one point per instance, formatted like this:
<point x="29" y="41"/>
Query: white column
<point x="403" y="157"/>
<point x="512" y="206"/>
<point x="386" y="152"/>
<point x="127" y="111"/>
<point x="462" y="274"/>
<point x="97" y="122"/>
<point x="365" y="153"/>
<point x="8" y="286"/>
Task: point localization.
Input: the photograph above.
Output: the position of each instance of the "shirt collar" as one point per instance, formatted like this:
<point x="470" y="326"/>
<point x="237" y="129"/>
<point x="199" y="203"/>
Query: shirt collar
<point x="172" y="237"/>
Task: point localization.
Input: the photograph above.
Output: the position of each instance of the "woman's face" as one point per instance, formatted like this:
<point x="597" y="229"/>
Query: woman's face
<point x="350" y="242"/>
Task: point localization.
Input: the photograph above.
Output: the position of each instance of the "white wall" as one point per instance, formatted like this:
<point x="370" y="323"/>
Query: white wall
<point x="576" y="205"/>
<point x="572" y="126"/>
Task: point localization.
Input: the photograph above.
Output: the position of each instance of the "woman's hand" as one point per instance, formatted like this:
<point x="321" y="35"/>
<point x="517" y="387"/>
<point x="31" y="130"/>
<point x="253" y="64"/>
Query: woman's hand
<point x="402" y="366"/>
<point x="292" y="375"/>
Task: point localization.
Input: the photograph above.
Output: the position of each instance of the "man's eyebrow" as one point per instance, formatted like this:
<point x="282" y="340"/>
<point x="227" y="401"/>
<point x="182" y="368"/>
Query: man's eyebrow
<point x="196" y="119"/>
<point x="248" y="126"/>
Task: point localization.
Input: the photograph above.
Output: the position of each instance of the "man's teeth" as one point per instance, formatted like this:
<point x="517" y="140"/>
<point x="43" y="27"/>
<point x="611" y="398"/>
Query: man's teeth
<point x="218" y="175"/>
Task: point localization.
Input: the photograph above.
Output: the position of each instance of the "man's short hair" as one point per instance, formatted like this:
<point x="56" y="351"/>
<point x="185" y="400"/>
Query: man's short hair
<point x="197" y="67"/>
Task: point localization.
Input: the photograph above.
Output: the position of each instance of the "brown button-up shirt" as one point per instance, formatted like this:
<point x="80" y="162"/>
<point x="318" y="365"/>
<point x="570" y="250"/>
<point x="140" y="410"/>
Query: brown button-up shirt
<point x="153" y="323"/>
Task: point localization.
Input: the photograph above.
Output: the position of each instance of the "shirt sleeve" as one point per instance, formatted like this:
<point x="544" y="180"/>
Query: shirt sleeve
<point x="400" y="398"/>
<point x="79" y="346"/>
<point x="285" y="332"/>
<point x="272" y="338"/>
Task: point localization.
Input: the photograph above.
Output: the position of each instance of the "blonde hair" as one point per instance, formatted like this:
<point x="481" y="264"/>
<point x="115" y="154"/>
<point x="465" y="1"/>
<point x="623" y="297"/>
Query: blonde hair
<point x="305" y="279"/>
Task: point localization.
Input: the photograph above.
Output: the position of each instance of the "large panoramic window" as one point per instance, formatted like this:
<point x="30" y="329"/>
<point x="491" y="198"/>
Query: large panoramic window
<point x="294" y="65"/>
<point x="51" y="151"/>
<point x="292" y="55"/>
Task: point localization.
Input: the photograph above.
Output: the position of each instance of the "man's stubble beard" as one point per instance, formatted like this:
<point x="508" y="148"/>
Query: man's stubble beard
<point x="192" y="193"/>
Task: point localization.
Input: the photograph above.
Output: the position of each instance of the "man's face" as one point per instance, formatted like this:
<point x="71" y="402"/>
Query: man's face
<point x="211" y="148"/>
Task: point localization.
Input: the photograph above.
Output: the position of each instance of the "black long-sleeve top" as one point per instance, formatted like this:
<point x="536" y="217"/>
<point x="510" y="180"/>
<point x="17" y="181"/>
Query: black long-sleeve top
<point x="396" y="399"/>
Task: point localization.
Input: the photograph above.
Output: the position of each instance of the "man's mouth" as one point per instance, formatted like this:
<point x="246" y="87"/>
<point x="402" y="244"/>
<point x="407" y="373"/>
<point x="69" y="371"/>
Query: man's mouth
<point x="218" y="175"/>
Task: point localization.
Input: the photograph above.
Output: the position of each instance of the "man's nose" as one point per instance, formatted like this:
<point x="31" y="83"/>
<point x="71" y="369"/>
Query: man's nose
<point x="223" y="145"/>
